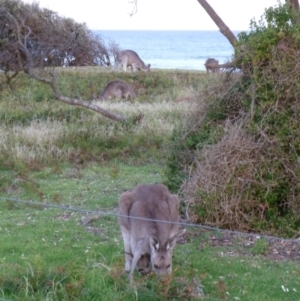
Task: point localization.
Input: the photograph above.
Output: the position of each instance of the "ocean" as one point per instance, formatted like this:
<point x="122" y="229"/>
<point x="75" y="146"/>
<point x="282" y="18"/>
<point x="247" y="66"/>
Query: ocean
<point x="187" y="50"/>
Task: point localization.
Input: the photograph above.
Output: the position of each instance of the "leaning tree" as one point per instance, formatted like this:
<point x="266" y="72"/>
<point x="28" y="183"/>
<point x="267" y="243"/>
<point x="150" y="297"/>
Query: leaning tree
<point x="225" y="30"/>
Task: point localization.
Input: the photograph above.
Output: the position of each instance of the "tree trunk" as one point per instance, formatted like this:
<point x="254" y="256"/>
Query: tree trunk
<point x="294" y="4"/>
<point x="219" y="22"/>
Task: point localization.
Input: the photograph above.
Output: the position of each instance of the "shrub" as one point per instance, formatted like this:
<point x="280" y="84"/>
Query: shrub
<point x="243" y="148"/>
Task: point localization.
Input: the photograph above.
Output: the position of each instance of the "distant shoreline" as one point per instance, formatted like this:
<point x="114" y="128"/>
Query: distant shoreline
<point x="173" y="49"/>
<point x="166" y="30"/>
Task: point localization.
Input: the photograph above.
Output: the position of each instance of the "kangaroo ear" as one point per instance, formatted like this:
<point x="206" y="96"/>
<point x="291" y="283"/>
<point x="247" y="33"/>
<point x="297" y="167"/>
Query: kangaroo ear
<point x="172" y="241"/>
<point x="154" y="244"/>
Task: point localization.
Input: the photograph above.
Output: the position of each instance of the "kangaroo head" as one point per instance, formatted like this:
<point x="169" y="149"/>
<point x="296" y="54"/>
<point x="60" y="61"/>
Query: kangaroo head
<point x="161" y="255"/>
<point x="143" y="265"/>
<point x="145" y="68"/>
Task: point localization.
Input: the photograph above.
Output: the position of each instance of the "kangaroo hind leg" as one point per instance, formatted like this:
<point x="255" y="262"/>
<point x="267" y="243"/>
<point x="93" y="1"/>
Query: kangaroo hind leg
<point x="124" y="63"/>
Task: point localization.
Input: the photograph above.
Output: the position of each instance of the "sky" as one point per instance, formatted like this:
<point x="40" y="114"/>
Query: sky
<point x="158" y="14"/>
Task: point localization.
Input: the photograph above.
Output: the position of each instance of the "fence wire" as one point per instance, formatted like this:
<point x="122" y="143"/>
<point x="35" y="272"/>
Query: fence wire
<point x="109" y="213"/>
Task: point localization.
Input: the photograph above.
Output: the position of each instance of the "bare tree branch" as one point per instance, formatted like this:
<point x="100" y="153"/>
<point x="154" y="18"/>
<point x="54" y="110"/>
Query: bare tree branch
<point x="74" y="101"/>
<point x="135" y="8"/>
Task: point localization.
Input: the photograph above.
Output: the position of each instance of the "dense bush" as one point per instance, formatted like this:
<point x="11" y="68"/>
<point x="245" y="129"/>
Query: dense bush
<point x="47" y="39"/>
<point x="239" y="163"/>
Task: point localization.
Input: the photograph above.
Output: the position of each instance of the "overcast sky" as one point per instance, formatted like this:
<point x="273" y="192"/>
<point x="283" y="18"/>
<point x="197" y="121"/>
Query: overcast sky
<point x="158" y="14"/>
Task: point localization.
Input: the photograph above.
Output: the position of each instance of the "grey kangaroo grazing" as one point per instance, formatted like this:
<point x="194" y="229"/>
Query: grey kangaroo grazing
<point x="117" y="89"/>
<point x="148" y="236"/>
<point x="212" y="65"/>
<point x="130" y="58"/>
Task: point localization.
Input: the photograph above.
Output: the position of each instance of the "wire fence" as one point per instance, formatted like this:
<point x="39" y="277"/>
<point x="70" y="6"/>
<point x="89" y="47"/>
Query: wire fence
<point x="110" y="213"/>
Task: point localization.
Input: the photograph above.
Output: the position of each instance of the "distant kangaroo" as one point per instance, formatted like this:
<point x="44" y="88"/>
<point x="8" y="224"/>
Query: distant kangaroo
<point x="130" y="58"/>
<point x="212" y="65"/>
<point x="117" y="89"/>
<point x="144" y="237"/>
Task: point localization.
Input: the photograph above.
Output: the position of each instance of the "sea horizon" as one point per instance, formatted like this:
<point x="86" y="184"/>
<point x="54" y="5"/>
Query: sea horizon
<point x="173" y="49"/>
<point x="214" y="30"/>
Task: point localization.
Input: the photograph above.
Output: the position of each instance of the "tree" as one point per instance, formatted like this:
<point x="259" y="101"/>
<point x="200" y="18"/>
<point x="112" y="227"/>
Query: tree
<point x="225" y="30"/>
<point x="222" y="26"/>
<point x="35" y="41"/>
<point x="293" y="3"/>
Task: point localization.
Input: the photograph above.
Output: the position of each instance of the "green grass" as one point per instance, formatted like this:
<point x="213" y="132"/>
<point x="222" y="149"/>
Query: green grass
<point x="48" y="254"/>
<point x="35" y="132"/>
<point x="55" y="154"/>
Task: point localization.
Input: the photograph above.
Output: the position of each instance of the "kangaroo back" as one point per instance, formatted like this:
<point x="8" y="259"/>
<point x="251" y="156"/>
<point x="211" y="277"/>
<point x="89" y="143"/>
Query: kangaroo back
<point x="117" y="89"/>
<point x="151" y="226"/>
<point x="143" y="265"/>
<point x="212" y="65"/>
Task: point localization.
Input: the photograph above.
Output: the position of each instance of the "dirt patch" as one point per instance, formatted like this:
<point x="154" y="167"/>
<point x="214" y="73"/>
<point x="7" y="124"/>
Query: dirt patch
<point x="247" y="245"/>
<point x="232" y="243"/>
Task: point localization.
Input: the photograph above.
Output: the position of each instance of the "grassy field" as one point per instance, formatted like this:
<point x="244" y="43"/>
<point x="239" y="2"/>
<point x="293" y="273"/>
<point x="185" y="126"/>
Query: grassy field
<point x="56" y="154"/>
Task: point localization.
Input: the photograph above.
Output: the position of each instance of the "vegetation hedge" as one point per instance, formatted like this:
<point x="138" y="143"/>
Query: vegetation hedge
<point x="237" y="161"/>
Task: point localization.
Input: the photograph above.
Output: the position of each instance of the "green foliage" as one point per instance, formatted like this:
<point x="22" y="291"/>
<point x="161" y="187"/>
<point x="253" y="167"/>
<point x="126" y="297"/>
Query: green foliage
<point x="241" y="151"/>
<point x="46" y="34"/>
<point x="270" y="55"/>
<point x="190" y="138"/>
<point x="274" y="26"/>
<point x="260" y="247"/>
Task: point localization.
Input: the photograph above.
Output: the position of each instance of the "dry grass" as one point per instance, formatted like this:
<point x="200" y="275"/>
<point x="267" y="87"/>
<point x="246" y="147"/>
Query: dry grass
<point x="161" y="117"/>
<point x="36" y="141"/>
<point x="41" y="139"/>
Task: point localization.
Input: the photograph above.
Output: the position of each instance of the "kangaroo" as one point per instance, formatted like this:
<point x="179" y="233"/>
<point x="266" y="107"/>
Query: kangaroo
<point x="149" y="237"/>
<point x="143" y="265"/>
<point x="212" y="65"/>
<point x="132" y="59"/>
<point x="117" y="89"/>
